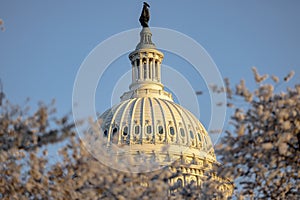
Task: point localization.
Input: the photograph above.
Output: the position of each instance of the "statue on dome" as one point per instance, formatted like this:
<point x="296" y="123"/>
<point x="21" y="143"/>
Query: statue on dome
<point x="145" y="15"/>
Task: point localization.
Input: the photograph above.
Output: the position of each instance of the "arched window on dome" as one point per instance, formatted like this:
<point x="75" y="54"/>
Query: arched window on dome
<point x="172" y="131"/>
<point x="114" y="135"/>
<point x="179" y="182"/>
<point x="115" y="130"/>
<point x="192" y="135"/>
<point x="199" y="139"/>
<point x="192" y="139"/>
<point x="137" y="129"/>
<point x="105" y="133"/>
<point x="193" y="181"/>
<point x="148" y="129"/>
<point x="160" y="129"/>
<point x="182" y="133"/>
<point x="125" y="131"/>
<point x="205" y="139"/>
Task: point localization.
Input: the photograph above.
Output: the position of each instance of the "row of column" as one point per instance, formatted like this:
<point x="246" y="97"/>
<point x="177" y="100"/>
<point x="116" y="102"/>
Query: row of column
<point x="146" y="69"/>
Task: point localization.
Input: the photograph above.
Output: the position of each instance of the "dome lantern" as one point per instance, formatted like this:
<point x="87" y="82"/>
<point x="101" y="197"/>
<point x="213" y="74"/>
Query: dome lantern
<point x="146" y="69"/>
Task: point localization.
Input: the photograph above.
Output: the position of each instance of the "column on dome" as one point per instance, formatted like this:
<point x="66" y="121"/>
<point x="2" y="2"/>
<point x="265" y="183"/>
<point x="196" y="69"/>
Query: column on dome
<point x="153" y="69"/>
<point x="158" y="70"/>
<point x="150" y="69"/>
<point x="144" y="61"/>
<point x="132" y="72"/>
<point x="156" y="67"/>
<point x="147" y="68"/>
<point x="140" y="69"/>
<point x="135" y="69"/>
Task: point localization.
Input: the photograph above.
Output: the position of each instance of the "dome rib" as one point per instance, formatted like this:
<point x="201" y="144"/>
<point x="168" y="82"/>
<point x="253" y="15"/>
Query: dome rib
<point x="113" y="120"/>
<point x="182" y="121"/>
<point x="142" y="134"/>
<point x="207" y="141"/>
<point x="191" y="140"/>
<point x="152" y="119"/>
<point x="129" y="103"/>
<point x="132" y="123"/>
<point x="174" y="121"/>
<point x="163" y="118"/>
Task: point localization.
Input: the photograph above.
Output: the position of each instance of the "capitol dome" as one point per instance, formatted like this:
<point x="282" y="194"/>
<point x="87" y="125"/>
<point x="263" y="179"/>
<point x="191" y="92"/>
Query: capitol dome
<point x="147" y="119"/>
<point x="156" y="122"/>
<point x="148" y="122"/>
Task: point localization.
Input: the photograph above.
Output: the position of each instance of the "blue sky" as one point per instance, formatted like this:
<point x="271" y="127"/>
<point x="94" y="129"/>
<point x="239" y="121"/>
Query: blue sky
<point x="45" y="42"/>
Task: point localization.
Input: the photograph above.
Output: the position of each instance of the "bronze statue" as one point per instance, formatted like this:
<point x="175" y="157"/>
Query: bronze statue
<point x="145" y="15"/>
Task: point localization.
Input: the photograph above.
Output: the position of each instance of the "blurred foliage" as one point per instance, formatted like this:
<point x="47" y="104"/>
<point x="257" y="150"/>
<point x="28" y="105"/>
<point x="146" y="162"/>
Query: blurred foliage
<point x="26" y="171"/>
<point x="262" y="148"/>
<point x="261" y="152"/>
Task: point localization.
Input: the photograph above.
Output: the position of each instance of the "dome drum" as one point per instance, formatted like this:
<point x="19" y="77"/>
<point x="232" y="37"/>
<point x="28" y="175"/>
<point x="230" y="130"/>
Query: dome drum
<point x="146" y="66"/>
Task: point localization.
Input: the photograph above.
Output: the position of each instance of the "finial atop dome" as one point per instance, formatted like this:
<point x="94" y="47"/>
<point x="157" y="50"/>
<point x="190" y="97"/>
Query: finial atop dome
<point x="145" y="42"/>
<point x="146" y="62"/>
<point x="145" y="15"/>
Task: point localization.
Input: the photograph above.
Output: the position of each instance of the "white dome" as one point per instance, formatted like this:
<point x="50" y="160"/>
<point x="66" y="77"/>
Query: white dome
<point x="147" y="130"/>
<point x="156" y="122"/>
<point x="148" y="122"/>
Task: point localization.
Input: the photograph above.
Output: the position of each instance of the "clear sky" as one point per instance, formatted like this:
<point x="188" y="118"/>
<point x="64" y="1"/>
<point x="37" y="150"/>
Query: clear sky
<point x="45" y="42"/>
